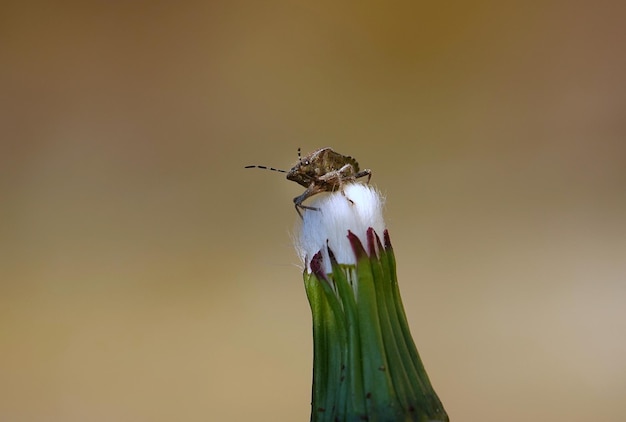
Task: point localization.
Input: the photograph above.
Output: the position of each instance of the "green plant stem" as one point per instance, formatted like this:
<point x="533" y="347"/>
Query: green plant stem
<point x="366" y="365"/>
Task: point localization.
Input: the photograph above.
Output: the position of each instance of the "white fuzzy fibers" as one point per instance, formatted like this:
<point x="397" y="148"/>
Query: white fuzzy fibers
<point x="358" y="208"/>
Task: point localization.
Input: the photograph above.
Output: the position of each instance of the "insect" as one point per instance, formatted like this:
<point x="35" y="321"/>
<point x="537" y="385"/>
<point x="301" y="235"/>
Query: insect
<point x="323" y="170"/>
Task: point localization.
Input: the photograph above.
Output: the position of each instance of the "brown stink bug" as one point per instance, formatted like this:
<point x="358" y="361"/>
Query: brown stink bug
<point x="323" y="170"/>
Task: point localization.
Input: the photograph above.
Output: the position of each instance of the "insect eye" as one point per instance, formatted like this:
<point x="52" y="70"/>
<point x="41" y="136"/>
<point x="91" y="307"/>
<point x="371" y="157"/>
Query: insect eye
<point x="306" y="162"/>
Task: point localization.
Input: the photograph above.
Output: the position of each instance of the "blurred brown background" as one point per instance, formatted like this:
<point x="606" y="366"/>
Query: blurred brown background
<point x="146" y="276"/>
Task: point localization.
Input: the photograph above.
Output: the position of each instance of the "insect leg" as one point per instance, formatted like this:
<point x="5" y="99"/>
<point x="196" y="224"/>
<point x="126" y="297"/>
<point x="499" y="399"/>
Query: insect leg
<point x="366" y="172"/>
<point x="339" y="177"/>
<point x="310" y="191"/>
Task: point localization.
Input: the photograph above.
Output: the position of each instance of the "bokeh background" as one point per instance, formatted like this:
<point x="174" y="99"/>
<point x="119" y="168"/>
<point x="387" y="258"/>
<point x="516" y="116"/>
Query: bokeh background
<point x="146" y="276"/>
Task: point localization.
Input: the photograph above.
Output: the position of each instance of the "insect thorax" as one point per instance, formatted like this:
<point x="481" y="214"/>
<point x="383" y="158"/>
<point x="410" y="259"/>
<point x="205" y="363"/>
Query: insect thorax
<point x="323" y="162"/>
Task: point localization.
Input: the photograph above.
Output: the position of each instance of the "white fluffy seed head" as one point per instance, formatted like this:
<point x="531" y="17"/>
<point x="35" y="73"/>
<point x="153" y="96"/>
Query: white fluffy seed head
<point x="358" y="208"/>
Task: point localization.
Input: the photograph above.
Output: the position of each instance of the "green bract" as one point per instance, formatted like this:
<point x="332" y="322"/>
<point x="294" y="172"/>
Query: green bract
<point x="366" y="366"/>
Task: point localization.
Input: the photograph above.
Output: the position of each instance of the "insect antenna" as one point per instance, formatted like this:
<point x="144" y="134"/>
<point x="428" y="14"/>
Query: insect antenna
<point x="266" y="168"/>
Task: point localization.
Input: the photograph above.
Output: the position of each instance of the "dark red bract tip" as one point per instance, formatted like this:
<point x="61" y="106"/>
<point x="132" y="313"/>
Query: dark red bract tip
<point x="357" y="246"/>
<point x="317" y="266"/>
<point x="371" y="245"/>
<point x="378" y="243"/>
<point x="331" y="255"/>
<point x="387" y="240"/>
